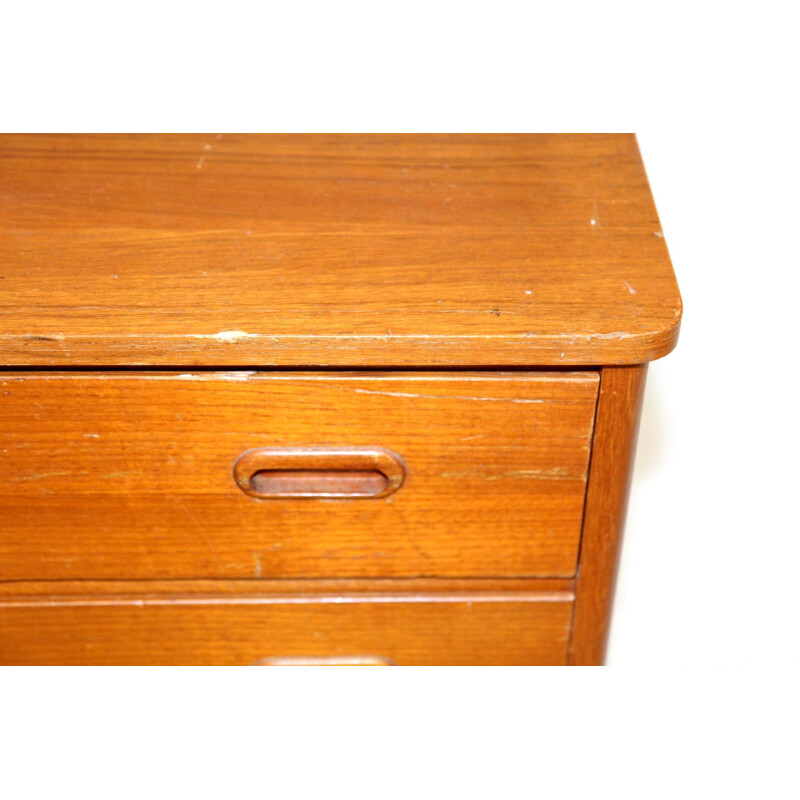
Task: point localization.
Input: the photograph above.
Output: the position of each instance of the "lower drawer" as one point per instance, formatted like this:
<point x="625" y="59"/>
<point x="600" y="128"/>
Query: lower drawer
<point x="479" y="628"/>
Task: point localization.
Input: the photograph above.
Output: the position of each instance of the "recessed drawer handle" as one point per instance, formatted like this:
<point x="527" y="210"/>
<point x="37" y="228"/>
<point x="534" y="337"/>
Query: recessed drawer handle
<point x="275" y="472"/>
<point x="331" y="661"/>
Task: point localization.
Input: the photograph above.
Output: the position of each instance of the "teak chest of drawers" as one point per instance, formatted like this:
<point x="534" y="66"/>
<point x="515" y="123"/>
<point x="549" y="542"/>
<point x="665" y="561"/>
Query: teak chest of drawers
<point x="359" y="399"/>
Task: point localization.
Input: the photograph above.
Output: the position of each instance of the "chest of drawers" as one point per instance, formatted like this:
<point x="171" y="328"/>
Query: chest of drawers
<point x="360" y="399"/>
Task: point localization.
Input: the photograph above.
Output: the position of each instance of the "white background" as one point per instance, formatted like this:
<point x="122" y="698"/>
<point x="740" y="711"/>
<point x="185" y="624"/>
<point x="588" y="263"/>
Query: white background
<point x="702" y="699"/>
<point x="708" y="570"/>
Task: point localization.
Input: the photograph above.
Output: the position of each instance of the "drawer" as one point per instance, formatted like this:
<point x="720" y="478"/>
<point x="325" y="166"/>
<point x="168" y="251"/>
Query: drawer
<point x="131" y="475"/>
<point x="427" y="628"/>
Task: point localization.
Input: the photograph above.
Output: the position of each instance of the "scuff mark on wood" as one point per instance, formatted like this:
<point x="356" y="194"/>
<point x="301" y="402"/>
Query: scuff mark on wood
<point x="229" y="337"/>
<point x="462" y="397"/>
<point x="53" y="337"/>
<point x="39" y="476"/>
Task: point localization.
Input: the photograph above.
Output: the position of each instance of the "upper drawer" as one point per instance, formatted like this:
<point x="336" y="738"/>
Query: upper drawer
<point x="130" y="475"/>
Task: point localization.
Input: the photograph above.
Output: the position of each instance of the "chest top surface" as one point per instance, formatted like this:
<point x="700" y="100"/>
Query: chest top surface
<point x="316" y="250"/>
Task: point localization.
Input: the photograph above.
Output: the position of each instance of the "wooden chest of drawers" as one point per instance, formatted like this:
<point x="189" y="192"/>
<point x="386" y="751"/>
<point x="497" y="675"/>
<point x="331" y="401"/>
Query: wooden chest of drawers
<point x="320" y="399"/>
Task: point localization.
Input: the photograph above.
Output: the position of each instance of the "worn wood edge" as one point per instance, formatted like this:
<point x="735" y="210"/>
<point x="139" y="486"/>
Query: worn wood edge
<point x="610" y="472"/>
<point x="287" y="599"/>
<point x="32" y="594"/>
<point x="255" y="350"/>
<point x="586" y="378"/>
<point x="284" y="587"/>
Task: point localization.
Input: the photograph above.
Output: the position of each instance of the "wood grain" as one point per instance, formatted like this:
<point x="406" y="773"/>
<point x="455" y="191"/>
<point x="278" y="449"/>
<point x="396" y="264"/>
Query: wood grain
<point x="420" y="629"/>
<point x="618" y="410"/>
<point x="98" y="592"/>
<point x="124" y="537"/>
<point x="130" y="475"/>
<point x="65" y="592"/>
<point x="351" y="250"/>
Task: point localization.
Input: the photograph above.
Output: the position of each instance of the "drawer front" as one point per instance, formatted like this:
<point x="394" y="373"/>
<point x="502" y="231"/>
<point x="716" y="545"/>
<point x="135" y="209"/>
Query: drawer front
<point x="131" y="475"/>
<point x="370" y="630"/>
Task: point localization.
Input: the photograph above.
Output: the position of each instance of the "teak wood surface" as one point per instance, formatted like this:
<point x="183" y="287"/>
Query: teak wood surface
<point x="349" y="250"/>
<point x="209" y="450"/>
<point x="131" y="475"/>
<point x="407" y="621"/>
<point x="618" y="409"/>
<point x="438" y="629"/>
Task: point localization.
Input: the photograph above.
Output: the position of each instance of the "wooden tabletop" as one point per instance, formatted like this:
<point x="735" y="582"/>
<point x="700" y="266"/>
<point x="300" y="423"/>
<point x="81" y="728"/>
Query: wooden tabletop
<point x="348" y="250"/>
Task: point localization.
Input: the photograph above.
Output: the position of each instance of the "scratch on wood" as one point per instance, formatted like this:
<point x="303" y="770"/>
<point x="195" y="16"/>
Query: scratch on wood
<point x="39" y="476"/>
<point x="203" y="533"/>
<point x="555" y="474"/>
<point x="52" y="338"/>
<point x="452" y="397"/>
<point x="242" y="375"/>
<point x="610" y="335"/>
<point x="407" y="533"/>
<point x="229" y="337"/>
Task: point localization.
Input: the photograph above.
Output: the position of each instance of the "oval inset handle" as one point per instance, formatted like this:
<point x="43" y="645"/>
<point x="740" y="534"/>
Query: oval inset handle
<point x="275" y="472"/>
<point x="331" y="661"/>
